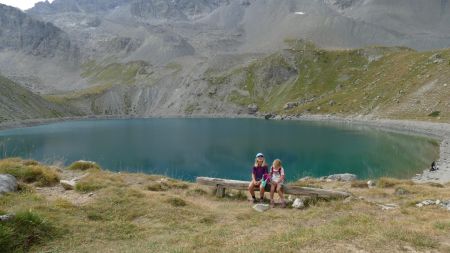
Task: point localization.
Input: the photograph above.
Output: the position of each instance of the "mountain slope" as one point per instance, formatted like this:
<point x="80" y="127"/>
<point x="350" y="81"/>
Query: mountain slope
<point x="302" y="79"/>
<point x="17" y="103"/>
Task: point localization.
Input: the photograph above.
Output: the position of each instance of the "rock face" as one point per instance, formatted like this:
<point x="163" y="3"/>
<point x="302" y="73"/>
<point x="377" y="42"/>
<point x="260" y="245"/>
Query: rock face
<point x="19" y="31"/>
<point x="8" y="183"/>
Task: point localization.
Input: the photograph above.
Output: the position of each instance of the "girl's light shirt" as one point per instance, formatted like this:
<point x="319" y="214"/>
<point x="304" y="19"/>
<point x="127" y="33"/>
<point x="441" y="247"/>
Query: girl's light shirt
<point x="276" y="174"/>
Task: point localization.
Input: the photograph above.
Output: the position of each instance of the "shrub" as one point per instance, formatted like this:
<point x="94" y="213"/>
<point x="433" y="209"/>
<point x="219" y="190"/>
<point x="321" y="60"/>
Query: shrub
<point x="176" y="202"/>
<point x="29" y="172"/>
<point x="84" y="165"/>
<point x="434" y="114"/>
<point x="156" y="187"/>
<point x="26" y="229"/>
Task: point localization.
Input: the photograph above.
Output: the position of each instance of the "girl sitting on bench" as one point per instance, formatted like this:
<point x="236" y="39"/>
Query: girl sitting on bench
<point x="276" y="181"/>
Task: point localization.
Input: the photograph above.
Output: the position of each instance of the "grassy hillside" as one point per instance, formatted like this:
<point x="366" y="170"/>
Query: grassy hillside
<point x="385" y="82"/>
<point x="111" y="212"/>
<point x="18" y="103"/>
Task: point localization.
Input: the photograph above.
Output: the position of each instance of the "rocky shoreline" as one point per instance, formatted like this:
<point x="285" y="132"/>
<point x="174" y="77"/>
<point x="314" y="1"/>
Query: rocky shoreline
<point x="439" y="131"/>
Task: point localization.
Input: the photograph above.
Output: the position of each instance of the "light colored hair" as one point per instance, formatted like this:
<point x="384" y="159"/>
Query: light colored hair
<point x="276" y="163"/>
<point x="263" y="163"/>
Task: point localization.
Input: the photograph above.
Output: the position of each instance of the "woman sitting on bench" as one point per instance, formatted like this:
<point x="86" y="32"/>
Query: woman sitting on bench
<point x="258" y="172"/>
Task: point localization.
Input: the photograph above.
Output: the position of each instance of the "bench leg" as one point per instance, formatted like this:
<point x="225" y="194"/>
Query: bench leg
<point x="220" y="192"/>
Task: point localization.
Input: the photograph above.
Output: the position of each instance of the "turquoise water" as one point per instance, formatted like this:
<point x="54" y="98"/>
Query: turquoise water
<point x="186" y="148"/>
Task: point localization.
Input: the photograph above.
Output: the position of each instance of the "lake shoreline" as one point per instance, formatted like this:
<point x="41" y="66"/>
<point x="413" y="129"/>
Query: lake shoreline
<point x="439" y="131"/>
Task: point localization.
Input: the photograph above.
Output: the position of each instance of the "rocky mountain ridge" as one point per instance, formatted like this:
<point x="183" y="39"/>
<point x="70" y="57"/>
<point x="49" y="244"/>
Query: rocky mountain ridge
<point x="146" y="57"/>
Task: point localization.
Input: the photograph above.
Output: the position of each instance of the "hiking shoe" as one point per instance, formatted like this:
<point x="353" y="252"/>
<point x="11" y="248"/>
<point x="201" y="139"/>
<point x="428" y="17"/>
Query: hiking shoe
<point x="272" y="204"/>
<point x="254" y="201"/>
<point x="261" y="200"/>
<point x="283" y="204"/>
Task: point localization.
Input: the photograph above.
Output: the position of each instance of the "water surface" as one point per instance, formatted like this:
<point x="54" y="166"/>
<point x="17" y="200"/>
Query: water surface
<point x="186" y="148"/>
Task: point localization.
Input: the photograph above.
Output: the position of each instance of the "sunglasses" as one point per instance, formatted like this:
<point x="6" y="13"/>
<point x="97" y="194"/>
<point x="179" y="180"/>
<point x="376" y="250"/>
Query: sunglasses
<point x="260" y="156"/>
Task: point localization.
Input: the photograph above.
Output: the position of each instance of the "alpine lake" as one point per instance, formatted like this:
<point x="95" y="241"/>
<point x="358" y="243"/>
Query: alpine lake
<point x="185" y="148"/>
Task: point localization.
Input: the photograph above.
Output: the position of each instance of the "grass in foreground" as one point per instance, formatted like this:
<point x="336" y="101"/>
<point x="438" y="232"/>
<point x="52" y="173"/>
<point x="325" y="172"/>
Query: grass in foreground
<point x="127" y="214"/>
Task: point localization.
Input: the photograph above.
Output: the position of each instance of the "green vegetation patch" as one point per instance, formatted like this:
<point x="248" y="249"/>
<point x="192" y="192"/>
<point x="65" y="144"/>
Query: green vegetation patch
<point x="97" y="180"/>
<point x="84" y="165"/>
<point x="29" y="172"/>
<point x="26" y="229"/>
<point x="176" y="202"/>
<point x="418" y="239"/>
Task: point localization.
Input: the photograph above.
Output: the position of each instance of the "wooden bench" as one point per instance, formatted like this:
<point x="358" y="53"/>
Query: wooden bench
<point x="222" y="184"/>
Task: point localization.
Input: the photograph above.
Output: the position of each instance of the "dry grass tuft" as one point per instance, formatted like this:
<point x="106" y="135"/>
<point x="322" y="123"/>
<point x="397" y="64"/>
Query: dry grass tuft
<point x="84" y="165"/>
<point x="385" y="182"/>
<point x="29" y="172"/>
<point x="359" y="184"/>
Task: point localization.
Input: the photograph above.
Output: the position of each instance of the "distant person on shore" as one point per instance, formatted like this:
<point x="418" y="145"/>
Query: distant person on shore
<point x="276" y="182"/>
<point x="434" y="167"/>
<point x="260" y="169"/>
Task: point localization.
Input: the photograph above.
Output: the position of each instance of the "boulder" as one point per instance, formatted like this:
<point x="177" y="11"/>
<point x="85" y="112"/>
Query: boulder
<point x="268" y="116"/>
<point x="261" y="207"/>
<point x="253" y="108"/>
<point x="371" y="184"/>
<point x="298" y="204"/>
<point x="8" y="183"/>
<point x="290" y="105"/>
<point x="346" y="177"/>
<point x="68" y="185"/>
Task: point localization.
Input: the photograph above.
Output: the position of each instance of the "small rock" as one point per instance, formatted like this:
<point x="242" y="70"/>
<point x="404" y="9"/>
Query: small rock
<point x="371" y="184"/>
<point x="419" y="205"/>
<point x="298" y="204"/>
<point x="212" y="91"/>
<point x="268" y="116"/>
<point x="428" y="202"/>
<point x="8" y="183"/>
<point x="91" y="194"/>
<point x="68" y="185"/>
<point x="332" y="103"/>
<point x="7" y="217"/>
<point x="438" y="202"/>
<point x="290" y="105"/>
<point x="278" y="117"/>
<point x="261" y="207"/>
<point x="386" y="207"/>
